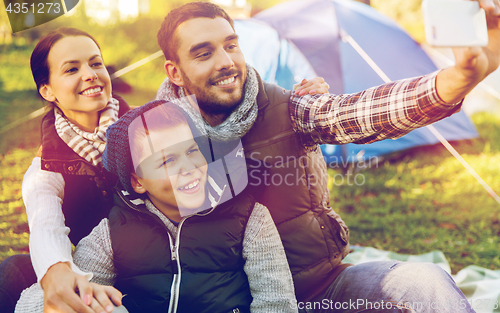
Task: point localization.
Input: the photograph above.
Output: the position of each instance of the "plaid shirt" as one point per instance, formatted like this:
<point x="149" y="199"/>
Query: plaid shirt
<point x="388" y="111"/>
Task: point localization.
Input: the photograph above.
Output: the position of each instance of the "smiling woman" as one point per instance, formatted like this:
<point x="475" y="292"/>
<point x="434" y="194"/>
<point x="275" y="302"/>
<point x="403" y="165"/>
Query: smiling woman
<point x="66" y="188"/>
<point x="79" y="84"/>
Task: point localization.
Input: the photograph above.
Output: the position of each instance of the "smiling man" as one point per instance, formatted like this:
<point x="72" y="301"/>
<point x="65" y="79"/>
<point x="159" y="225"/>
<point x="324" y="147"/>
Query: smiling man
<point x="203" y="59"/>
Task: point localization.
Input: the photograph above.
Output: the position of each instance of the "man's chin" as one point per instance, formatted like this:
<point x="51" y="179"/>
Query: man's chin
<point x="220" y="103"/>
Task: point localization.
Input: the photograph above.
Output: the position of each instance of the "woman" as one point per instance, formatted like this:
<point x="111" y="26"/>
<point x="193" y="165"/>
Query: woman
<point x="69" y="73"/>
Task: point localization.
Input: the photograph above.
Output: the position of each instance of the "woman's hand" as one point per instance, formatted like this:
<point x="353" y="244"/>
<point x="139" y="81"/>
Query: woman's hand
<point x="60" y="285"/>
<point x="316" y="85"/>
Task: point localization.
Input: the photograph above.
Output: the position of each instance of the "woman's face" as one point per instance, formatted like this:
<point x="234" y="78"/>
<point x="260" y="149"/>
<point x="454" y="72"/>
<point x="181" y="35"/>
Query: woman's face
<point x="79" y="83"/>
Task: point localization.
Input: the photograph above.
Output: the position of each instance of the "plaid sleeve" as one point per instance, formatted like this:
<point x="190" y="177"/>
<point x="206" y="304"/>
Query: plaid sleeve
<point x="387" y="111"/>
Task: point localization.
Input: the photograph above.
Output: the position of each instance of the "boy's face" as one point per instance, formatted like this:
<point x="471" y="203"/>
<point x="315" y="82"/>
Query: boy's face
<point x="174" y="177"/>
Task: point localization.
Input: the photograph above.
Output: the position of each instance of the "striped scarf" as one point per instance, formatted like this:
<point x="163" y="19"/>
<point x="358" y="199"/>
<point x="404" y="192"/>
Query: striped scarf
<point x="89" y="146"/>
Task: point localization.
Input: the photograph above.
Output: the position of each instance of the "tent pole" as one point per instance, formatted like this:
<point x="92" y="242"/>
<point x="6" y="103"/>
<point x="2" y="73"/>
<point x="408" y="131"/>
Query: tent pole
<point x="345" y="37"/>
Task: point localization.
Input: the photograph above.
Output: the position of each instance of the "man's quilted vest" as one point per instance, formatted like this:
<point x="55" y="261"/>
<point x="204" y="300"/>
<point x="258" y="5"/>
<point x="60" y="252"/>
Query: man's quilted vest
<point x="209" y="266"/>
<point x="314" y="237"/>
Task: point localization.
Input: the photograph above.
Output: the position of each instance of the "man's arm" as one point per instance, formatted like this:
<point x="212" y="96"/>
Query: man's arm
<point x="394" y="109"/>
<point x="472" y="64"/>
<point x="387" y="111"/>
<point x="266" y="266"/>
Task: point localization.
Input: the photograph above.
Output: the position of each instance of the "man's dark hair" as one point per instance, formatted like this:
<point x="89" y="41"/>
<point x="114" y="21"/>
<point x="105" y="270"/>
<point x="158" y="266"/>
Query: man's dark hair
<point x="166" y="40"/>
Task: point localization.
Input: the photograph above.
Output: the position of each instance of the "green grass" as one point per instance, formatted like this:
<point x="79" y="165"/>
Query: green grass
<point x="426" y="200"/>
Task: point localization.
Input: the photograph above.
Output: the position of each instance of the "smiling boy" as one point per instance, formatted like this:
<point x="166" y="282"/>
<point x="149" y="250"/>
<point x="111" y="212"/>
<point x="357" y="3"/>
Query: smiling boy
<point x="176" y="240"/>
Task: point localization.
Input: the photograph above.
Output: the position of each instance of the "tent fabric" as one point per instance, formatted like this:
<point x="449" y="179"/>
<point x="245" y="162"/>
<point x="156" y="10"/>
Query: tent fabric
<point x="481" y="286"/>
<point x="306" y="38"/>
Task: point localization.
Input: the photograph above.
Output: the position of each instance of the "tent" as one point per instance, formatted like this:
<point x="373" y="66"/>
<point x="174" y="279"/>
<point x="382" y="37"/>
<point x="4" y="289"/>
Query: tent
<point x="306" y="38"/>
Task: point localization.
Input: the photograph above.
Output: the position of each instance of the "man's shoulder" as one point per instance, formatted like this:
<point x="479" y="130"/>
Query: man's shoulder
<point x="276" y="94"/>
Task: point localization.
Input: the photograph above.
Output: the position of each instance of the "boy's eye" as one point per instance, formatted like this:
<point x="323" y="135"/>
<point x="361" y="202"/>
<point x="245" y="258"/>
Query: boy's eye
<point x="167" y="161"/>
<point x="193" y="150"/>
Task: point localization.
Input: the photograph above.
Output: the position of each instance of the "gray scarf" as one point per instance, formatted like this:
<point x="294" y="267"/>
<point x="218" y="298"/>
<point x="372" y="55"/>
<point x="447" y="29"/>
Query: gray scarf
<point x="235" y="126"/>
<point x="89" y="146"/>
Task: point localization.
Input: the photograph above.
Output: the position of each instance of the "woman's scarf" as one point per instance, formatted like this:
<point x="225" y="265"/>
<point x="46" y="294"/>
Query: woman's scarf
<point x="89" y="146"/>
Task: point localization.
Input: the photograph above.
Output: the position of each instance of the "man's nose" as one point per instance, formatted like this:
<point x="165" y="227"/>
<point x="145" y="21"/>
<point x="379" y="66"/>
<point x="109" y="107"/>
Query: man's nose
<point x="224" y="60"/>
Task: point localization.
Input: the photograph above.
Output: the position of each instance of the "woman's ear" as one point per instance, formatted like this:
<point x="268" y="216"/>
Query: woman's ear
<point x="173" y="73"/>
<point x="135" y="181"/>
<point x="46" y="93"/>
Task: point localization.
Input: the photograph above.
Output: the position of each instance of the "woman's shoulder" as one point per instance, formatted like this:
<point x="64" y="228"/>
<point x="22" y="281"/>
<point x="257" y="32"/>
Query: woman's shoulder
<point x="123" y="105"/>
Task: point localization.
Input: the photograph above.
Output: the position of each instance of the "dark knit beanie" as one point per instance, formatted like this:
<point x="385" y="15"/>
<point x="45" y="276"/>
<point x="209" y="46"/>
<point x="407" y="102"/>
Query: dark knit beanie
<point x="117" y="157"/>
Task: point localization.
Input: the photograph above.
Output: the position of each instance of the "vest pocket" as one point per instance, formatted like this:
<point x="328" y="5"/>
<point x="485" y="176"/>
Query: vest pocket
<point x="339" y="234"/>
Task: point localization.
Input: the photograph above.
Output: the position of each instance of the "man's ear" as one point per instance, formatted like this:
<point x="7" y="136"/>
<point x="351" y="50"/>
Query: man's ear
<point x="135" y="181"/>
<point x="174" y="74"/>
<point x="46" y="93"/>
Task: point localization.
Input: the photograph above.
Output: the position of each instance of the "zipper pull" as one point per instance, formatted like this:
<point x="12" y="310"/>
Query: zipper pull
<point x="174" y="248"/>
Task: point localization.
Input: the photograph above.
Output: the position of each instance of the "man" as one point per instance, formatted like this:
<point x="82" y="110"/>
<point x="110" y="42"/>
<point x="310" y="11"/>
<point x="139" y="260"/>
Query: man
<point x="282" y="131"/>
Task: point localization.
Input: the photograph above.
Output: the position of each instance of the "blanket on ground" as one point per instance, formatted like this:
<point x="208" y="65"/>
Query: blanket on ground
<point x="481" y="286"/>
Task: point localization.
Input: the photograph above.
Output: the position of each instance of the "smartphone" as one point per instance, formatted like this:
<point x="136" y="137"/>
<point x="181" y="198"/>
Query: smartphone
<point x="454" y="23"/>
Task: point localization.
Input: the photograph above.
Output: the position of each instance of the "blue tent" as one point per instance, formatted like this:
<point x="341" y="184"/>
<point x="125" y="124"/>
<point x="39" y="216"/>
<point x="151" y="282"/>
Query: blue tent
<point x="306" y="38"/>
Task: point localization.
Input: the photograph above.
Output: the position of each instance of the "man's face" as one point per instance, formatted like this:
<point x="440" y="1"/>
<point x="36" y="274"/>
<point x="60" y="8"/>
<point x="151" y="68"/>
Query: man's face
<point x="211" y="64"/>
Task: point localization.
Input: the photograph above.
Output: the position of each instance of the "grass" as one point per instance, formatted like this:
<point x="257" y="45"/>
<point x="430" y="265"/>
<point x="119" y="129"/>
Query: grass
<point x="426" y="201"/>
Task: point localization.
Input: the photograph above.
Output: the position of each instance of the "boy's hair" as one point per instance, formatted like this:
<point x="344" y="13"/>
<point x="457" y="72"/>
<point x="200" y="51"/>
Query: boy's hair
<point x="169" y="43"/>
<point x="117" y="157"/>
<point x="159" y="118"/>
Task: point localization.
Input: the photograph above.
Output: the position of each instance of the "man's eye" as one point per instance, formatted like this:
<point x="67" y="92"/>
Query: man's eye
<point x="232" y="46"/>
<point x="204" y="55"/>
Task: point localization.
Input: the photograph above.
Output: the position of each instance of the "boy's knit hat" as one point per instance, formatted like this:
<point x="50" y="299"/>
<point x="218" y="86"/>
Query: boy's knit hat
<point x="117" y="157"/>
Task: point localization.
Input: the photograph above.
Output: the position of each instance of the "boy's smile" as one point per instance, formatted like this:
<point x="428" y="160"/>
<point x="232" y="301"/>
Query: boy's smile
<point x="175" y="176"/>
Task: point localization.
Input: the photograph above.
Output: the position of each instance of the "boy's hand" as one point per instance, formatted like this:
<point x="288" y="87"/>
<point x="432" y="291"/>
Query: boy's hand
<point x="313" y="86"/>
<point x="60" y="284"/>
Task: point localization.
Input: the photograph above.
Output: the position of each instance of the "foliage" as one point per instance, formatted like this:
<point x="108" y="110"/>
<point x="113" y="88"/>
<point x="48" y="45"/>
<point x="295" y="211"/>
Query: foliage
<point x="13" y="220"/>
<point x="407" y="13"/>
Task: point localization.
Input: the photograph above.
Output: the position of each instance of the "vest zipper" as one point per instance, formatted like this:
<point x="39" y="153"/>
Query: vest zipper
<point x="271" y="140"/>
<point x="174" y="251"/>
<point x="176" y="281"/>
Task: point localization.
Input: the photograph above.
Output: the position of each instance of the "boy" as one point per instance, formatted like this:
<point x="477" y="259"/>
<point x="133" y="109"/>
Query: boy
<point x="175" y="239"/>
